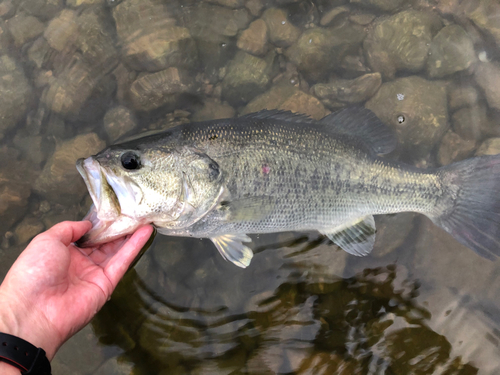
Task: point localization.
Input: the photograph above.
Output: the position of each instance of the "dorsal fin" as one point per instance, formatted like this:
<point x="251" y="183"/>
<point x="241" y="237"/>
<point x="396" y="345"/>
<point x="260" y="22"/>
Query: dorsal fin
<point x="278" y="114"/>
<point x="361" y="123"/>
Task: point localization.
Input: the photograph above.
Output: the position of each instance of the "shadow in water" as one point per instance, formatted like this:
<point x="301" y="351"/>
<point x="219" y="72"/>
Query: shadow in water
<point x="366" y="324"/>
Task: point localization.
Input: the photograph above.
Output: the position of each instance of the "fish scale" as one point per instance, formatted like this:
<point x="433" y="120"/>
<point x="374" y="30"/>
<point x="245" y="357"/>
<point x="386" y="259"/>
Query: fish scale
<point x="274" y="171"/>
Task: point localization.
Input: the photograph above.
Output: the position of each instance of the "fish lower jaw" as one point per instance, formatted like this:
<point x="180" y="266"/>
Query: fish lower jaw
<point x="107" y="231"/>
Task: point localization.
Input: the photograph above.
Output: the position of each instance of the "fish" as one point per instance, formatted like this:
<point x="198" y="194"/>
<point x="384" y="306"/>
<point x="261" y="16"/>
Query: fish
<point x="276" y="171"/>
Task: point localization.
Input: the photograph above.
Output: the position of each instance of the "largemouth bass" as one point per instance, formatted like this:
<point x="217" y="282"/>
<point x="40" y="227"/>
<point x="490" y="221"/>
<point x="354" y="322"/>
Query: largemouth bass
<point x="275" y="171"/>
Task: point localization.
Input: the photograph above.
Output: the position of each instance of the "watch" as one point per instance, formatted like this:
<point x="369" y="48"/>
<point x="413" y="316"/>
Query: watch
<point x="23" y="355"/>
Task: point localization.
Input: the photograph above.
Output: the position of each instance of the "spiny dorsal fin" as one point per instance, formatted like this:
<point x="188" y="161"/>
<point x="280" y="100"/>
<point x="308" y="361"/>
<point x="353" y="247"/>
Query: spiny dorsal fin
<point x="278" y="114"/>
<point x="356" y="238"/>
<point x="360" y="122"/>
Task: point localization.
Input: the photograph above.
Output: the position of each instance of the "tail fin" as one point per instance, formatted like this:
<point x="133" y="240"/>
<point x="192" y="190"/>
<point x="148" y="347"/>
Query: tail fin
<point x="472" y="214"/>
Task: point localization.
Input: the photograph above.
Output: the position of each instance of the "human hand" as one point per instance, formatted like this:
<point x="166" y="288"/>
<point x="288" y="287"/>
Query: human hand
<point x="55" y="288"/>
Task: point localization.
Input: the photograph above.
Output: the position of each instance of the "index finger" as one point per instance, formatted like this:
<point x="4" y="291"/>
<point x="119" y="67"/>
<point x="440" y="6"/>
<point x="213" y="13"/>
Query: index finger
<point x="69" y="231"/>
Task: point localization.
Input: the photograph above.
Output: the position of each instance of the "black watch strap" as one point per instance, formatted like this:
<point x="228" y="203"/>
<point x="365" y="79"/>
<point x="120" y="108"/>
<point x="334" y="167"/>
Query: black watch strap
<point x="23" y="355"/>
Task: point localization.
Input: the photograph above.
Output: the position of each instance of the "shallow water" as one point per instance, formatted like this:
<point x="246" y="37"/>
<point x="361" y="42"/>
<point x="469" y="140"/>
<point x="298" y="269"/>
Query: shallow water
<point x="76" y="76"/>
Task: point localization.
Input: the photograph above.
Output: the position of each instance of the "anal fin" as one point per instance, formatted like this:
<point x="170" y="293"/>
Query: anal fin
<point x="356" y="238"/>
<point x="231" y="248"/>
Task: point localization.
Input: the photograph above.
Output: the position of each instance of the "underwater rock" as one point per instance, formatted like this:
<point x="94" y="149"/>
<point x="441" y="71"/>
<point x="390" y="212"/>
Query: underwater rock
<point x="485" y="15"/>
<point x="392" y="232"/>
<point x="287" y="97"/>
<point x="254" y="39"/>
<point x="75" y="85"/>
<point x="118" y="121"/>
<point x="14" y="194"/>
<point x="24" y="28"/>
<point x="454" y="148"/>
<point x="124" y="78"/>
<point x="7" y="8"/>
<point x="318" y="50"/>
<point x="247" y="76"/>
<point x="84" y="3"/>
<point x="255" y="6"/>
<point x="213" y="110"/>
<point x="5" y="38"/>
<point x="228" y="3"/>
<point x="313" y="53"/>
<point x="451" y="51"/>
<point x="272" y="98"/>
<point x="214" y="27"/>
<point x="300" y="102"/>
<point x="96" y="40"/>
<point x="461" y="95"/>
<point x="339" y="91"/>
<point x="15" y="93"/>
<point x="34" y="148"/>
<point x="362" y="18"/>
<point x="468" y="122"/>
<point x="205" y="20"/>
<point x="487" y="76"/>
<point x="150" y="39"/>
<point x="62" y="30"/>
<point x="16" y="181"/>
<point x="401" y="42"/>
<point x="43" y="9"/>
<point x="490" y="146"/>
<point x="353" y="66"/>
<point x="383" y="5"/>
<point x="60" y="180"/>
<point x="115" y="366"/>
<point x="416" y="109"/>
<point x="282" y="32"/>
<point x="28" y="228"/>
<point x="332" y="14"/>
<point x="154" y="90"/>
<point x="39" y="54"/>
<point x="81" y="87"/>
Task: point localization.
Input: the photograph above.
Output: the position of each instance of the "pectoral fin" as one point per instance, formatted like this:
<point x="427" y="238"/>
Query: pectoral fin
<point x="231" y="248"/>
<point x="356" y="238"/>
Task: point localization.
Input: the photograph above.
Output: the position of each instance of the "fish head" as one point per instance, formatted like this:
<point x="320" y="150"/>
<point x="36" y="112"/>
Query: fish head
<point x="130" y="187"/>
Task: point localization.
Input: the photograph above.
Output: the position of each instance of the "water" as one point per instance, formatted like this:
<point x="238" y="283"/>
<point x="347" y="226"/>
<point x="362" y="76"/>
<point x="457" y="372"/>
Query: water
<point x="82" y="75"/>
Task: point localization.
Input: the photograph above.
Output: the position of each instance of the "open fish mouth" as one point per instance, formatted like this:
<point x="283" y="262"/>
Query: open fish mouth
<point x="108" y="222"/>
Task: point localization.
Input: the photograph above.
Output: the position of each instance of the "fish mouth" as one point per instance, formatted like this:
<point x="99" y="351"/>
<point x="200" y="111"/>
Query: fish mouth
<point x="105" y="214"/>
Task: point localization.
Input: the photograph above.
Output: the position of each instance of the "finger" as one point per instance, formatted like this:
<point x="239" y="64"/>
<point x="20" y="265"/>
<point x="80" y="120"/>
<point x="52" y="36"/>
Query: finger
<point x="119" y="263"/>
<point x="69" y="231"/>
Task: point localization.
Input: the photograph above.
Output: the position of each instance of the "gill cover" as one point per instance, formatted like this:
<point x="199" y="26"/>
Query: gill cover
<point x="202" y="187"/>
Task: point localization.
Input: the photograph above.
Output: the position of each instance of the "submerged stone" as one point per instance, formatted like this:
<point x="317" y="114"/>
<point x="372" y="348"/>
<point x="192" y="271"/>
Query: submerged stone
<point x="401" y="42"/>
<point x="451" y="51"/>
<point x="416" y="109"/>
<point x="154" y="90"/>
<point x="254" y="39"/>
<point x="247" y="76"/>
<point x="60" y="181"/>
<point x="487" y="76"/>
<point x="15" y="93"/>
<point x="454" y="148"/>
<point x="339" y="91"/>
<point x="282" y="32"/>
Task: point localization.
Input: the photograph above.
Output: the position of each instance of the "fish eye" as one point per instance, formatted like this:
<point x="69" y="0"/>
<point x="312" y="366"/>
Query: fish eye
<point x="131" y="160"/>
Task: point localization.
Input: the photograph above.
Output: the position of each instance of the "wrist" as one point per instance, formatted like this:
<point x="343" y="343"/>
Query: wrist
<point x="6" y="369"/>
<point x="25" y="324"/>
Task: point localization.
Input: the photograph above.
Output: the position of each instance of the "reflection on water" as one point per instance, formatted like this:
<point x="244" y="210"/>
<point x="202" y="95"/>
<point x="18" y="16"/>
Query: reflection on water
<point x="77" y="75"/>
